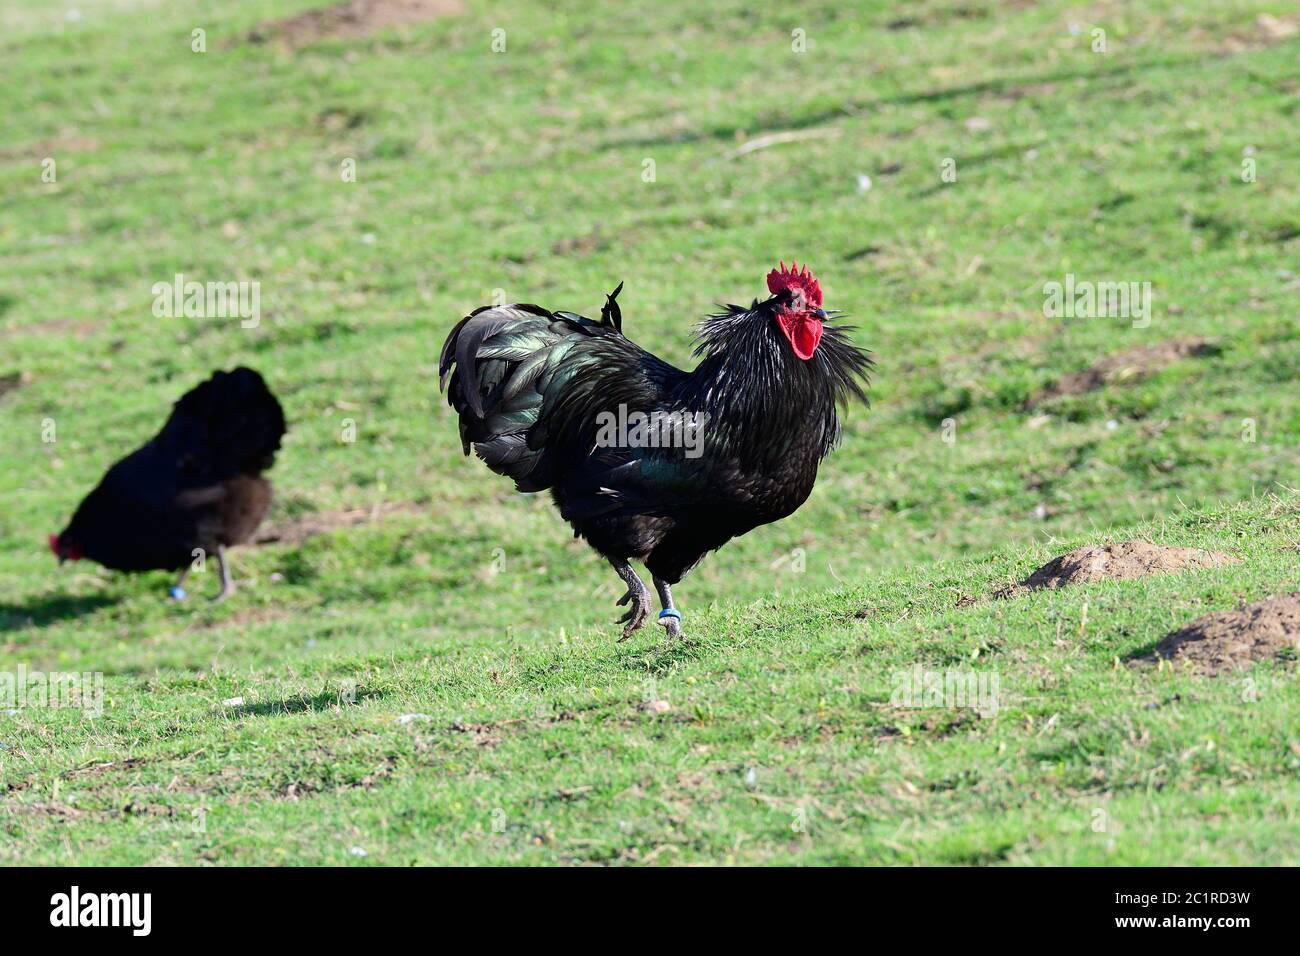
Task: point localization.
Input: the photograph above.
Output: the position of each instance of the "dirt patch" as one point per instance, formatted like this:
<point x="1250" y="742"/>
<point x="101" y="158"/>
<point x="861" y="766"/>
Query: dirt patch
<point x="484" y="735"/>
<point x="11" y="381"/>
<point x="1128" y="365"/>
<point x="298" y="789"/>
<point x="298" y="530"/>
<point x="351" y="19"/>
<point x="51" y="809"/>
<point x="1117" y="562"/>
<point x="1266" y="31"/>
<point x="75" y="773"/>
<point x="583" y="245"/>
<point x="1232" y="640"/>
<point x="248" y="617"/>
<point x="55" y="148"/>
<point x="78" y="329"/>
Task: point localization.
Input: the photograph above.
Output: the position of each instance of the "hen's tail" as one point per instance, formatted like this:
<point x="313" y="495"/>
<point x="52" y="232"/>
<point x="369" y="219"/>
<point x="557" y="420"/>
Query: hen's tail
<point x="229" y="425"/>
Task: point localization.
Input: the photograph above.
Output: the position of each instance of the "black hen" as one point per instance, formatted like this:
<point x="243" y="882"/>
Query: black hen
<point x="645" y="460"/>
<point x="193" y="490"/>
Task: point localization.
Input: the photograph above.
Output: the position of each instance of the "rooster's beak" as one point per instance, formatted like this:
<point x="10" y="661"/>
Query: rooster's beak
<point x="821" y="314"/>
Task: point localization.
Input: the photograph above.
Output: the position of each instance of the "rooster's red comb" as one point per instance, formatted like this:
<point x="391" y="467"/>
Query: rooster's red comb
<point x="778" y="280"/>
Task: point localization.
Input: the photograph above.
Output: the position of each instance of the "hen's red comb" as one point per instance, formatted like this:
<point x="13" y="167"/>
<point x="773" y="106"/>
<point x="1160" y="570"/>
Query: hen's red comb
<point x="778" y="280"/>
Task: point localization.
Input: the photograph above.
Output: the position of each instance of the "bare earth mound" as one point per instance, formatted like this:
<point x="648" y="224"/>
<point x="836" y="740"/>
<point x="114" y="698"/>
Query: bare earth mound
<point x="1230" y="640"/>
<point x="1119" y="562"/>
<point x="353" y="18"/>
<point x="1134" y="363"/>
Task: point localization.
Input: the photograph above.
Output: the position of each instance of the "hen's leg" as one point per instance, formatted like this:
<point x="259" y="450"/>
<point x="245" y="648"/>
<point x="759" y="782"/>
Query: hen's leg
<point x="637" y="594"/>
<point x="227" y="583"/>
<point x="669" y="617"/>
<point x="177" y="592"/>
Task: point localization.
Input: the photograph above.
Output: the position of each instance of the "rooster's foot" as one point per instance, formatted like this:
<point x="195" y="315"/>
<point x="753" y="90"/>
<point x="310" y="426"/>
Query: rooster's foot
<point x="669" y="618"/>
<point x="671" y="621"/>
<point x="636" y="615"/>
<point x="638" y="596"/>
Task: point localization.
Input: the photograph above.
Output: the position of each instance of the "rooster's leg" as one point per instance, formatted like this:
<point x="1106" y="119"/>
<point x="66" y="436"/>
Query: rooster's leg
<point x="227" y="583"/>
<point x="637" y="594"/>
<point x="669" y="617"/>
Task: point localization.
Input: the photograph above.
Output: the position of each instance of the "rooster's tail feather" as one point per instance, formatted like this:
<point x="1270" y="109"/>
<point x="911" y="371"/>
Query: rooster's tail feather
<point x="495" y="366"/>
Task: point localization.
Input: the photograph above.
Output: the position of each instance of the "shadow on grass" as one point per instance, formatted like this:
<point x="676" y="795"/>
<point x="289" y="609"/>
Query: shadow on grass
<point x="301" y="703"/>
<point x="1016" y="86"/>
<point x="40" y="612"/>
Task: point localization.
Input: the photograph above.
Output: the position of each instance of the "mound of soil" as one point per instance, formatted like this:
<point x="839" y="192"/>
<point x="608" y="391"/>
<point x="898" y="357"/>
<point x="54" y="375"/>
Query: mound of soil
<point x="353" y="18"/>
<point x="1131" y="364"/>
<point x="1231" y="640"/>
<point x="1119" y="562"/>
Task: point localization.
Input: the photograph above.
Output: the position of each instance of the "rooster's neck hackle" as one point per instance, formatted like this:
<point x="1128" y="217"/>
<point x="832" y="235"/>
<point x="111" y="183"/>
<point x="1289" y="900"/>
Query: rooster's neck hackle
<point x="758" y="394"/>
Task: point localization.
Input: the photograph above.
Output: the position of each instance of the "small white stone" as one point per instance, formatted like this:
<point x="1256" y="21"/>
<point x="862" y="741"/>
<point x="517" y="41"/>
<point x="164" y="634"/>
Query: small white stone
<point x="864" y="183"/>
<point x="233" y="702"/>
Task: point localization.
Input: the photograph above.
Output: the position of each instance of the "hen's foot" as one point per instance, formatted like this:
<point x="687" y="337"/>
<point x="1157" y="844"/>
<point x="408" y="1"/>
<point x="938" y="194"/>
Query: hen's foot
<point x="227" y="582"/>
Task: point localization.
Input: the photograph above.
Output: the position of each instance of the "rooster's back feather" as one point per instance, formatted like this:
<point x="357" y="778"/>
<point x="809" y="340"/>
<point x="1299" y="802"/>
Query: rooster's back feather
<point x="528" y="385"/>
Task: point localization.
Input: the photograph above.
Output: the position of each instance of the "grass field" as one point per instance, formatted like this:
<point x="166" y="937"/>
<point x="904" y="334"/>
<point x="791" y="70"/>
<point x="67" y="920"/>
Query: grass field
<point x="434" y="676"/>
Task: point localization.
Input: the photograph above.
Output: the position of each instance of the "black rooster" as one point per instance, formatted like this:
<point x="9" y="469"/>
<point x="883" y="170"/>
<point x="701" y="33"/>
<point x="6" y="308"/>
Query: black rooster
<point x="549" y="399"/>
<point x="196" y="486"/>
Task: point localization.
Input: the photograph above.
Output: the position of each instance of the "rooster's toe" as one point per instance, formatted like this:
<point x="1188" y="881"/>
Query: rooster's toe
<point x="636" y="615"/>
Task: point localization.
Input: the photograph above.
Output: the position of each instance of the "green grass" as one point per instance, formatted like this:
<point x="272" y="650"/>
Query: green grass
<point x="471" y="608"/>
